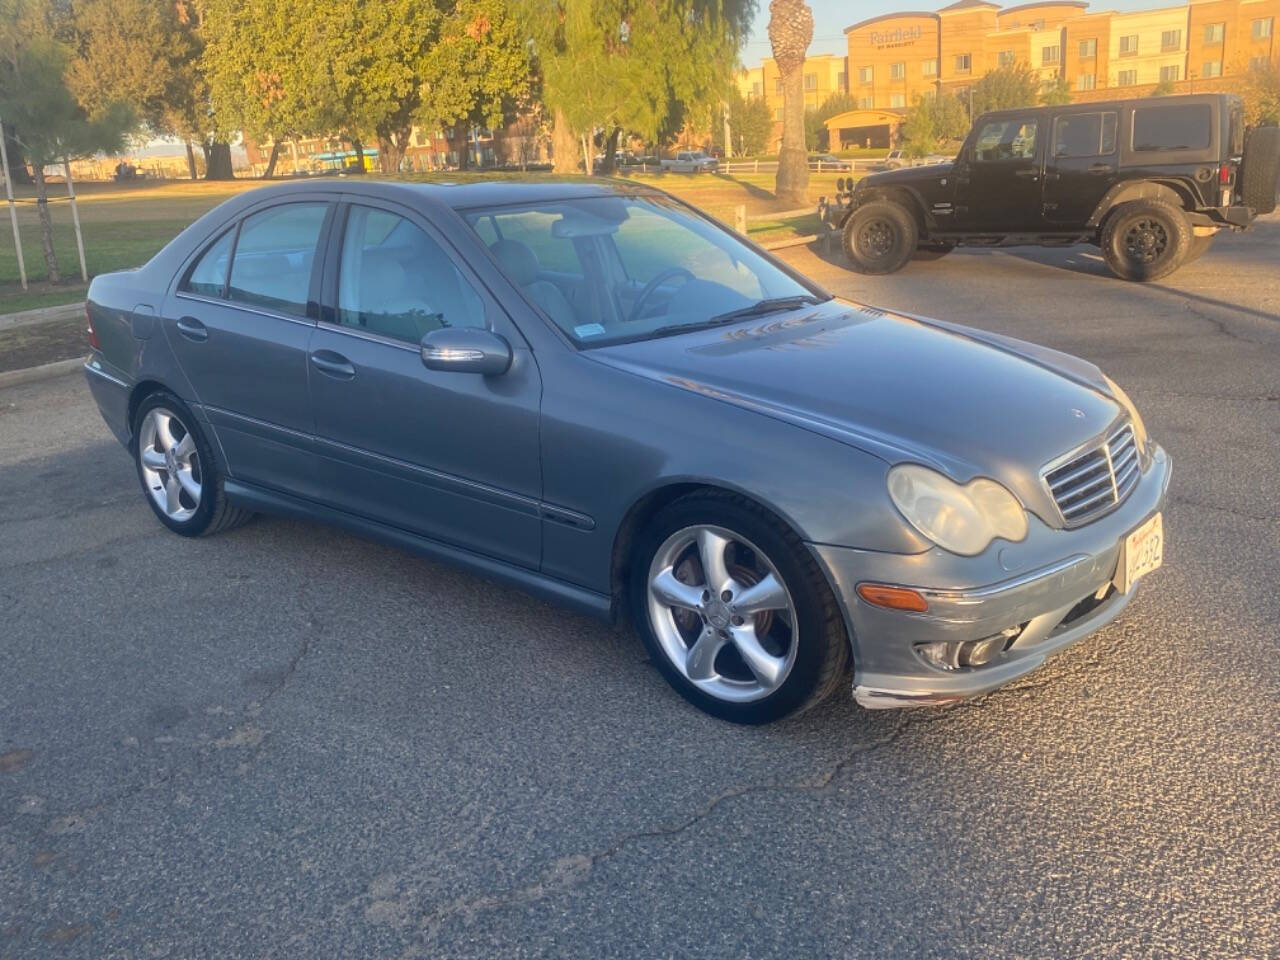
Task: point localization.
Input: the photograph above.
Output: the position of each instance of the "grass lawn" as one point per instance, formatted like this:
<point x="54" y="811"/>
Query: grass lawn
<point x="124" y="225"/>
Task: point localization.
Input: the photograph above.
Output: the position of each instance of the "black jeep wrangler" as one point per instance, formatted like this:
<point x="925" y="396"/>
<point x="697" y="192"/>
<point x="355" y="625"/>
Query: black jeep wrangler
<point x="1149" y="181"/>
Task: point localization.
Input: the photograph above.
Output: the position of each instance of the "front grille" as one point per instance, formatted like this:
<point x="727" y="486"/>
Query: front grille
<point x="1097" y="480"/>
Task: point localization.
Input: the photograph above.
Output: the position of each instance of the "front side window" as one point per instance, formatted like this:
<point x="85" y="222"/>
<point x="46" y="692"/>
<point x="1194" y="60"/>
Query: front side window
<point x="1084" y="135"/>
<point x="1182" y="127"/>
<point x="274" y="256"/>
<point x="620" y="268"/>
<point x="209" y="275"/>
<point x="1004" y="140"/>
<point x="396" y="281"/>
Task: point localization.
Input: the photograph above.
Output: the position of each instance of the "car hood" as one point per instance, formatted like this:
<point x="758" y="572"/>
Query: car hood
<point x="903" y="388"/>
<point x="904" y="175"/>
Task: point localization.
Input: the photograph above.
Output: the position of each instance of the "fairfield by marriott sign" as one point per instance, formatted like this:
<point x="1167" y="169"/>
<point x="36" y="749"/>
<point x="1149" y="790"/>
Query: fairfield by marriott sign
<point x="894" y="38"/>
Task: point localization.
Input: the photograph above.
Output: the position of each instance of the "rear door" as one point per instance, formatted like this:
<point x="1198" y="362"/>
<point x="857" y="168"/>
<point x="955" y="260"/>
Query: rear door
<point x="447" y="455"/>
<point x="239" y="323"/>
<point x="1083" y="165"/>
<point x="998" y="176"/>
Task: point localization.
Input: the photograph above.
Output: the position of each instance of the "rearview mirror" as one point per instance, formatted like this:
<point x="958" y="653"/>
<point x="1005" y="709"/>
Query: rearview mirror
<point x="466" y="350"/>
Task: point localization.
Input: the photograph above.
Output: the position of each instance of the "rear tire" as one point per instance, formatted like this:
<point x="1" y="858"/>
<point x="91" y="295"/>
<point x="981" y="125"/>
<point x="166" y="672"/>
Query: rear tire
<point x="880" y="237"/>
<point x="179" y="476"/>
<point x="1146" y="240"/>
<point x="1260" y="173"/>
<point x="768" y="654"/>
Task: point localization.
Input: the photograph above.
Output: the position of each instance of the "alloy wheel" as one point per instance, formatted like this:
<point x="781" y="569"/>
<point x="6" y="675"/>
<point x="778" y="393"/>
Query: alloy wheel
<point x="876" y="239"/>
<point x="1146" y="240"/>
<point x="170" y="464"/>
<point x="722" y="614"/>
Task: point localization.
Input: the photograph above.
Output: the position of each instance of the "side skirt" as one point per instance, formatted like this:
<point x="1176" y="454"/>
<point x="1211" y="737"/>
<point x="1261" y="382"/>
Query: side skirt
<point x="584" y="601"/>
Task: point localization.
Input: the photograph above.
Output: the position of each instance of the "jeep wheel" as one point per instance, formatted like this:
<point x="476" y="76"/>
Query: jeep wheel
<point x="1146" y="240"/>
<point x="1260" y="174"/>
<point x="880" y="237"/>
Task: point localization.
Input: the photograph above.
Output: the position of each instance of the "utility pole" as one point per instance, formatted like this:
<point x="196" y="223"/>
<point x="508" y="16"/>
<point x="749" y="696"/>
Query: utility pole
<point x="13" y="210"/>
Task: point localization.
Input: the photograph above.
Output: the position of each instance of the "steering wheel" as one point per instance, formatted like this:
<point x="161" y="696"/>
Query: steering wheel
<point x="638" y="308"/>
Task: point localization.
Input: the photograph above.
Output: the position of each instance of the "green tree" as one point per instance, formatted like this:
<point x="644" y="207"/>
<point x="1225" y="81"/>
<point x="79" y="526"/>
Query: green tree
<point x="1006" y="88"/>
<point x="931" y="121"/>
<point x="815" y="119"/>
<point x="749" y="124"/>
<point x="1165" y="88"/>
<point x="1055" y="92"/>
<point x="1261" y="94"/>
<point x="477" y="73"/>
<point x="48" y="121"/>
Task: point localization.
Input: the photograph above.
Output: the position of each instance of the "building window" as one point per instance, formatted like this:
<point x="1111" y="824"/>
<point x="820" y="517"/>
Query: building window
<point x="1129" y="45"/>
<point x="1007" y="58"/>
<point x="897" y="99"/>
<point x="1214" y="32"/>
<point x="897" y="71"/>
<point x="865" y="74"/>
<point x="1259" y="63"/>
<point x="1212" y="68"/>
<point x="964" y="63"/>
<point x="1127" y="78"/>
<point x="1086" y="81"/>
<point x="1171" y="40"/>
<point x="811" y="81"/>
<point x="756" y="88"/>
<point x="1088" y="49"/>
<point x="1050" y="55"/>
<point x="929" y="68"/>
<point x="1170" y="74"/>
<point x="864" y="103"/>
<point x="1261" y="29"/>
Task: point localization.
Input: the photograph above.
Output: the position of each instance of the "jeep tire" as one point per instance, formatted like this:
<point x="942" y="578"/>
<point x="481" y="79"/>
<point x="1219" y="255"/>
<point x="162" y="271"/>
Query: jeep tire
<point x="880" y="236"/>
<point x="1146" y="240"/>
<point x="1260" y="173"/>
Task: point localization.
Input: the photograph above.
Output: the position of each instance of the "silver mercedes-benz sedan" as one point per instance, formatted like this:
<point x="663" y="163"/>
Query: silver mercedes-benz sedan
<point x="594" y="392"/>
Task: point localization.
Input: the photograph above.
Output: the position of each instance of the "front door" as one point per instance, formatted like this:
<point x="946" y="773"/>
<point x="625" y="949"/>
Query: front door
<point x="1082" y="167"/>
<point x="451" y="456"/>
<point x="239" y="324"/>
<point x="998" y="177"/>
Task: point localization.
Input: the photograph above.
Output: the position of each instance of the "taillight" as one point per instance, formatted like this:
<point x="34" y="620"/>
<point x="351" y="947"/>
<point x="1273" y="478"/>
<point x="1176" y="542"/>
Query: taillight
<point x="1224" y="174"/>
<point x="93" y="334"/>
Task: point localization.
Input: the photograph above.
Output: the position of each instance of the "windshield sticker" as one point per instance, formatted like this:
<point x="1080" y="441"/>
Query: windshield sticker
<point x="589" y="330"/>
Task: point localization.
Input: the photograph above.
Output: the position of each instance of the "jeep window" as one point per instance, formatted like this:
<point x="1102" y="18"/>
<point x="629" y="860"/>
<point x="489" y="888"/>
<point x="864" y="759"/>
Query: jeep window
<point x="1182" y="127"/>
<point x="1003" y="140"/>
<point x="1084" y="135"/>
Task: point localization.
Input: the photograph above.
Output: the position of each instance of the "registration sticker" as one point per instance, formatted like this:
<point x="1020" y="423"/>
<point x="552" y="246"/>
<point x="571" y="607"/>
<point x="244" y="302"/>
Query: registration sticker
<point x="1143" y="552"/>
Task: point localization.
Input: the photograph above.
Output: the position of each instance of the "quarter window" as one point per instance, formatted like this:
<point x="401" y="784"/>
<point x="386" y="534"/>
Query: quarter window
<point x="209" y="275"/>
<point x="274" y="255"/>
<point x="1084" y="135"/>
<point x="394" y="280"/>
<point x="1186" y="127"/>
<point x="1003" y="140"/>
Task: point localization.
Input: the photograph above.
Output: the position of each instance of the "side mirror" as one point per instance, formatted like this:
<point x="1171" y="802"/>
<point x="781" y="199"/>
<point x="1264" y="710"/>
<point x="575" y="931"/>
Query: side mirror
<point x="466" y="350"/>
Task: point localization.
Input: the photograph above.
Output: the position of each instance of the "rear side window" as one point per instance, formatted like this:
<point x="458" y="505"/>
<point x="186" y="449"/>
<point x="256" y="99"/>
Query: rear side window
<point x="1185" y="127"/>
<point x="274" y="255"/>
<point x="1084" y="135"/>
<point x="209" y="275"/>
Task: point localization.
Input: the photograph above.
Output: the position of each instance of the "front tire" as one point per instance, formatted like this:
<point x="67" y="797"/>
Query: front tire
<point x="880" y="237"/>
<point x="734" y="611"/>
<point x="1146" y="240"/>
<point x="176" y="468"/>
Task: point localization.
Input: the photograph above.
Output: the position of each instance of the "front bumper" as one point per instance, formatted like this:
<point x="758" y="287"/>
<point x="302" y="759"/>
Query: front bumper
<point x="1040" y="585"/>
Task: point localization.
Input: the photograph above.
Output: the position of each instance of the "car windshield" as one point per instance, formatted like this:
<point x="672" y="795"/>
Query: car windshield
<point x="622" y="268"/>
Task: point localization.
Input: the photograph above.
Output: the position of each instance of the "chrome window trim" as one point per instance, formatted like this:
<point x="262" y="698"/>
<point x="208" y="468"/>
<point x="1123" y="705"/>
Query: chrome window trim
<point x="371" y="337"/>
<point x="248" y="308"/>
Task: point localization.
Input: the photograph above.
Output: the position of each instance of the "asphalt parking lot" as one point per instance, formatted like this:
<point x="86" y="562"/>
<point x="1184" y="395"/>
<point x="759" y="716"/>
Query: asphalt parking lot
<point x="288" y="742"/>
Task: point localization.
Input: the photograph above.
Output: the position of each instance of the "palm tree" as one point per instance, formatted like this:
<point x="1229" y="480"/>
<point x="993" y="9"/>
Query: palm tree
<point x="790" y="32"/>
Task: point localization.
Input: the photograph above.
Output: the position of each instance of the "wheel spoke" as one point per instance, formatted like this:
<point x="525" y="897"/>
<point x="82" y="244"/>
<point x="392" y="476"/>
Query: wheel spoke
<point x="185" y="448"/>
<point x="153" y="459"/>
<point x="172" y="490"/>
<point x="765" y="666"/>
<point x="189" y="484"/>
<point x="711" y="547"/>
<point x="768" y="594"/>
<point x="164" y="430"/>
<point x="700" y="663"/>
<point x="674" y="593"/>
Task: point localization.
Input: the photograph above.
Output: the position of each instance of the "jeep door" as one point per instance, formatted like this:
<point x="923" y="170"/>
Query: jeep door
<point x="1083" y="165"/>
<point x="998" y="176"/>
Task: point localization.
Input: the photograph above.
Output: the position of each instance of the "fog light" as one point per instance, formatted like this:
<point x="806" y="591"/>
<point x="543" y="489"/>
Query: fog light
<point x="944" y="655"/>
<point x="957" y="654"/>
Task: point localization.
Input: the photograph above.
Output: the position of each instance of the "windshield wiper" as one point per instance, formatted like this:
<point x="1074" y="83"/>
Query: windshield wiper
<point x="766" y="306"/>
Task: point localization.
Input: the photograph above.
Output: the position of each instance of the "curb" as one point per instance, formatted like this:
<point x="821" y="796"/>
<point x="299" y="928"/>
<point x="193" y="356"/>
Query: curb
<point x="60" y="368"/>
<point x="24" y="318"/>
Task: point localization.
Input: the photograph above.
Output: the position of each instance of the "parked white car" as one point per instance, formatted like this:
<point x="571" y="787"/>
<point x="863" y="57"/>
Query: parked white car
<point x="691" y="161"/>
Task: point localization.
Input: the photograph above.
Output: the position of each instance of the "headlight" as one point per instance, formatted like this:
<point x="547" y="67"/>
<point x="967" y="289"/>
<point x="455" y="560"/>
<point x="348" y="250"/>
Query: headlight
<point x="962" y="519"/>
<point x="1139" y="428"/>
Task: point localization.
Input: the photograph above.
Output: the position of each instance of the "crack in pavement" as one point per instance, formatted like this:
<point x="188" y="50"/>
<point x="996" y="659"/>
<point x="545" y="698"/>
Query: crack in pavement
<point x="1260" y="517"/>
<point x="566" y="872"/>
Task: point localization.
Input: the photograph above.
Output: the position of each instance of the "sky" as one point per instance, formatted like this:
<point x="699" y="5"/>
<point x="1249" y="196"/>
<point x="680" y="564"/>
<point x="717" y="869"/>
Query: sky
<point x="830" y="17"/>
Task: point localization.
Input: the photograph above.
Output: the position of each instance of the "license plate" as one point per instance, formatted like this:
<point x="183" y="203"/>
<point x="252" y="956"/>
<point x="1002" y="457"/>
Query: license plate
<point x="1143" y="552"/>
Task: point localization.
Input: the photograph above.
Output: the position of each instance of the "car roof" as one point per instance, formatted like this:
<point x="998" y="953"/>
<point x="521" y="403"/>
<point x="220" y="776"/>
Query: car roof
<point x="1095" y="105"/>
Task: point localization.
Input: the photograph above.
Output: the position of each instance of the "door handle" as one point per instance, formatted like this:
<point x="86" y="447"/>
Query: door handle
<point x="333" y="364"/>
<point x="193" y="329"/>
<point x="1026" y="174"/>
<point x="1100" y="168"/>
